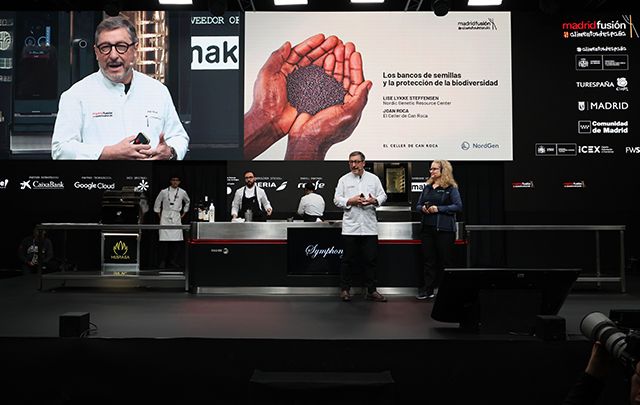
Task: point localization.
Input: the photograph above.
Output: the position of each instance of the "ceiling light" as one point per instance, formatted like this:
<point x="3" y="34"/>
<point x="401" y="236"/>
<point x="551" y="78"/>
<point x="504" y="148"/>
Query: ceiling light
<point x="485" y="2"/>
<point x="289" y="2"/>
<point x="179" y="2"/>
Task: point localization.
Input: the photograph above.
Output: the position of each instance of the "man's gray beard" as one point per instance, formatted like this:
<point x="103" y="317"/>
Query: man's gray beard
<point x="120" y="78"/>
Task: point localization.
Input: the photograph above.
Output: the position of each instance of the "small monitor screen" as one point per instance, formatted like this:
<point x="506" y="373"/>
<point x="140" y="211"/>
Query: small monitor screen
<point x="463" y="293"/>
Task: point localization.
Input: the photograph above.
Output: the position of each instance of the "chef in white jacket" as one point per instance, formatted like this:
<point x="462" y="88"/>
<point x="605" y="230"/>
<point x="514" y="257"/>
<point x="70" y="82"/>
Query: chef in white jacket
<point x="117" y="112"/>
<point x="171" y="205"/>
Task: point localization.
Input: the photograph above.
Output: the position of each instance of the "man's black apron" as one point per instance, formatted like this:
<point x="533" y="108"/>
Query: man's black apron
<point x="252" y="204"/>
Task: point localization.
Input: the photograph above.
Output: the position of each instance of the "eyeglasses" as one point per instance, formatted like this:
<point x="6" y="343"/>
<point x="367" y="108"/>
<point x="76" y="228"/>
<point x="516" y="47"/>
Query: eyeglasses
<point x="121" y="48"/>
<point x="355" y="162"/>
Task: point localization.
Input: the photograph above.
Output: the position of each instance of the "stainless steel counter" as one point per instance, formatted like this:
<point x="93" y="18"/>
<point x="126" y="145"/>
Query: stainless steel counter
<point x="278" y="230"/>
<point x="106" y="227"/>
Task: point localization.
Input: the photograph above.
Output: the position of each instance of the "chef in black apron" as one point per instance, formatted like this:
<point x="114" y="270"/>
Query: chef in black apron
<point x="251" y="198"/>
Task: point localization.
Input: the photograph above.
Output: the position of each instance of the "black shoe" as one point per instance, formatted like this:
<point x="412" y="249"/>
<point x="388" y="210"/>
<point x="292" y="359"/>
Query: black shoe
<point x="422" y="294"/>
<point x="375" y="296"/>
<point x="345" y="296"/>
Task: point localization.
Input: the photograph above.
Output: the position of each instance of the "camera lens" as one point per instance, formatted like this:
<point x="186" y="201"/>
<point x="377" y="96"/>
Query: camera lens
<point x="596" y="326"/>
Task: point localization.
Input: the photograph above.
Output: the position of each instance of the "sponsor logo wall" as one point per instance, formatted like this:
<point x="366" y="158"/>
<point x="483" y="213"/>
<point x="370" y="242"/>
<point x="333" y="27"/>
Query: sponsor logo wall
<point x="579" y="114"/>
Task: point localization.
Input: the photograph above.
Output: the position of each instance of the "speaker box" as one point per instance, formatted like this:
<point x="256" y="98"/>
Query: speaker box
<point x="551" y="327"/>
<point x="74" y="324"/>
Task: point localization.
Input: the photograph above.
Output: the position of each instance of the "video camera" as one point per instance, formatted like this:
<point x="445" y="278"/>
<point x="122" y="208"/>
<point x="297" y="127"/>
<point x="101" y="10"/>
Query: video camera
<point x="624" y="347"/>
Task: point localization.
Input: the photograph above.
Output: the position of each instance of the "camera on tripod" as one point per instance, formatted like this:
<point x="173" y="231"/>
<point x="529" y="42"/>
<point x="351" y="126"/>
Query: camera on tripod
<point x="622" y="343"/>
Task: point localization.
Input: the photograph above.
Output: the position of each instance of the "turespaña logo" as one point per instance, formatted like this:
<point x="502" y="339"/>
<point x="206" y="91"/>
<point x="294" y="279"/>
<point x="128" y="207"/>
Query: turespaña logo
<point x="595" y="85"/>
<point x="622" y="84"/>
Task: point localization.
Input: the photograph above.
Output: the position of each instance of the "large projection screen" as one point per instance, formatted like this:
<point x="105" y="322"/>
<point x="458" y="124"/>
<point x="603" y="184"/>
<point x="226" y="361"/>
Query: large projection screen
<point x="441" y="86"/>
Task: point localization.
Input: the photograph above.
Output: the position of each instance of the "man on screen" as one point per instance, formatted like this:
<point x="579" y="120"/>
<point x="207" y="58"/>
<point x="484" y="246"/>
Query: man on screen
<point x="117" y="112"/>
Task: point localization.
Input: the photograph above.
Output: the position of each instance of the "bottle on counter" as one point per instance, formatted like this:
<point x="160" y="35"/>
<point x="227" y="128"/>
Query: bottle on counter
<point x="211" y="212"/>
<point x="203" y="207"/>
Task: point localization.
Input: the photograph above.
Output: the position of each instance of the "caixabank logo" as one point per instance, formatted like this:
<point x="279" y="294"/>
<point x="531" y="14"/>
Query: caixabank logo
<point x="42" y="183"/>
<point x="615" y="28"/>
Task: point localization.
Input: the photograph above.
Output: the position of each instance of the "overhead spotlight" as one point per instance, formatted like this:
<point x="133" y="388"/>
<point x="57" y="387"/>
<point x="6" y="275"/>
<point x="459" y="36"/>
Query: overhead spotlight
<point x="217" y="7"/>
<point x="176" y="2"/>
<point x="290" y="2"/>
<point x="474" y="3"/>
<point x="440" y="7"/>
<point x="112" y="8"/>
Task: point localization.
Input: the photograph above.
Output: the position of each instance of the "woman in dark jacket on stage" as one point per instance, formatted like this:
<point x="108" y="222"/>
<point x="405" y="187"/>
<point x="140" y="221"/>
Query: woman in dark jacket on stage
<point x="439" y="202"/>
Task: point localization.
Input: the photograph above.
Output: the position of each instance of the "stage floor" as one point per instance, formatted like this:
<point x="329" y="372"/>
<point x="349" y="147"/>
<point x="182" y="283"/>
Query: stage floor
<point x="169" y="313"/>
<point x="168" y="346"/>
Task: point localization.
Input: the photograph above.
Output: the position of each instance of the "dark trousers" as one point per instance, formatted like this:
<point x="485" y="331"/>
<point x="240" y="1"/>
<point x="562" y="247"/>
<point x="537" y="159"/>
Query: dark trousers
<point x="359" y="251"/>
<point x="437" y="253"/>
<point x="170" y="253"/>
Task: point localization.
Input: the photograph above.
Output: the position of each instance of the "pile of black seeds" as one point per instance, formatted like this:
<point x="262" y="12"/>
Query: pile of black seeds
<point x="310" y="89"/>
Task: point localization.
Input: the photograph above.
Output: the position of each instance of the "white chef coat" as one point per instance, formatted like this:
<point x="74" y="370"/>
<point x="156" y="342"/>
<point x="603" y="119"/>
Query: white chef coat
<point x="311" y="204"/>
<point x="169" y="205"/>
<point x="263" y="201"/>
<point x="96" y="112"/>
<point x="359" y="220"/>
